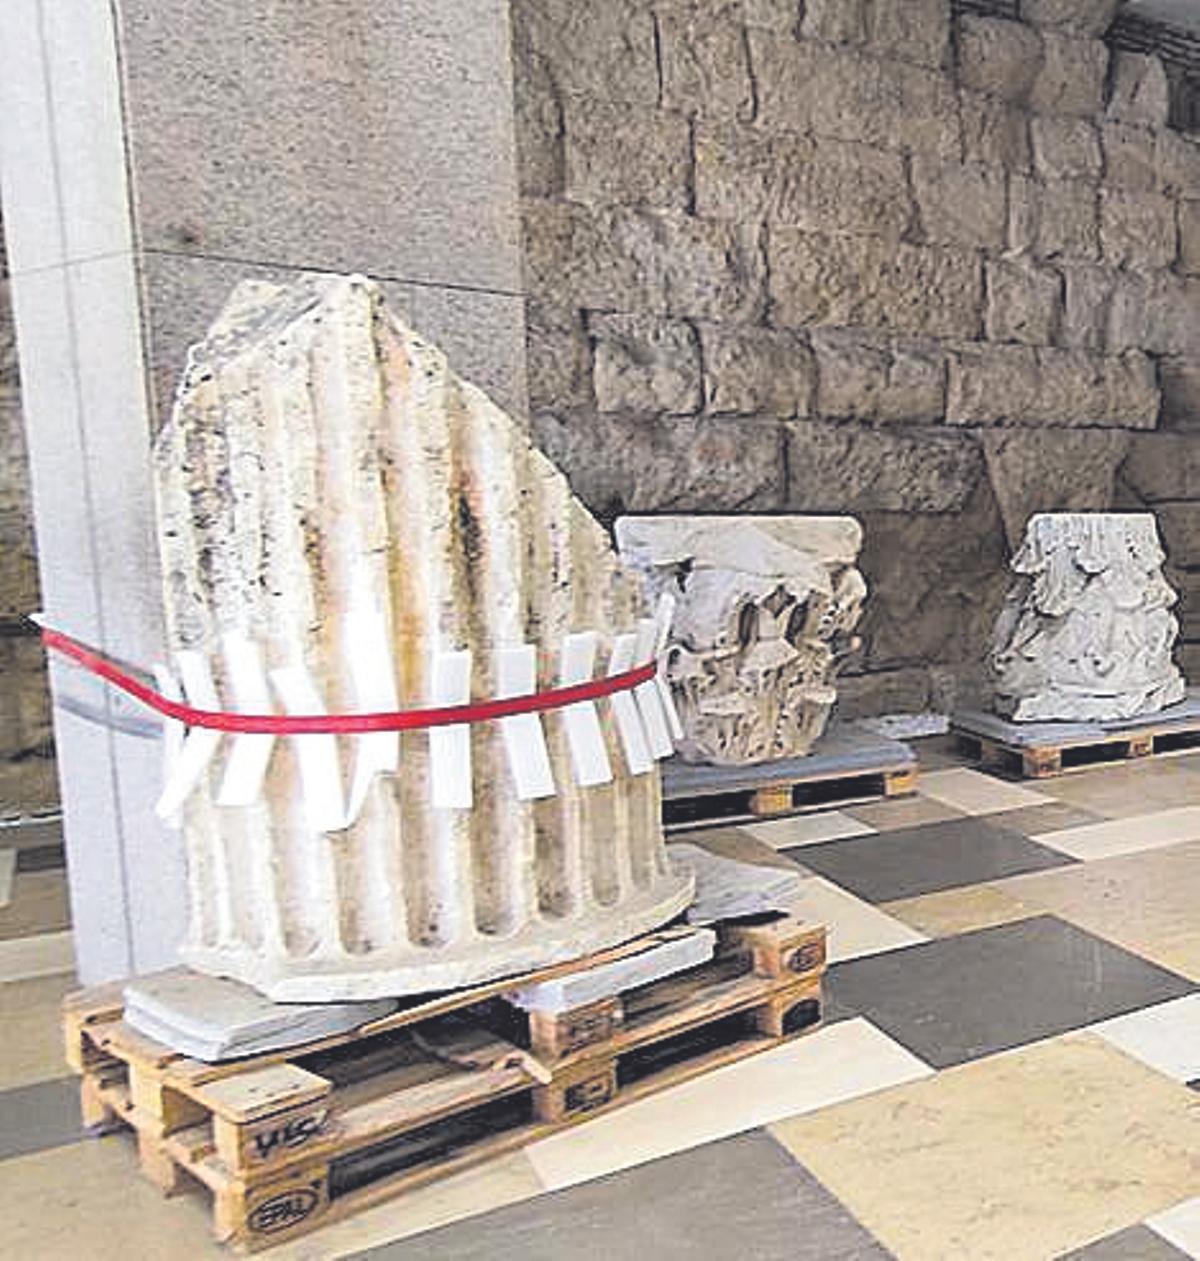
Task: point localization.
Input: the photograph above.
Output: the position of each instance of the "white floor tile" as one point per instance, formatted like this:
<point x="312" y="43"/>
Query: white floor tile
<point x="1165" y="1036"/>
<point x="1180" y="1226"/>
<point x="973" y="792"/>
<point x="808" y="829"/>
<point x="42" y="955"/>
<point x="829" y="1066"/>
<point x="8" y="869"/>
<point x="856" y="928"/>
<point x="1126" y="836"/>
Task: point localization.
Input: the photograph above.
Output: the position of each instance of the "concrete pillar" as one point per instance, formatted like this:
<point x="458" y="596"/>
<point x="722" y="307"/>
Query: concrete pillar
<point x="152" y="154"/>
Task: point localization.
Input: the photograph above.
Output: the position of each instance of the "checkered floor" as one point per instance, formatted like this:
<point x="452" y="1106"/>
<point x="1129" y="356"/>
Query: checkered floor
<point x="1007" y="1068"/>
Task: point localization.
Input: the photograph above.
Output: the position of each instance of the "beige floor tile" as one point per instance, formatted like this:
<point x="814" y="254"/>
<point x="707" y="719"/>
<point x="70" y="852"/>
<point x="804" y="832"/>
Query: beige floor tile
<point x="31" y="1049"/>
<point x="505" y="1180"/>
<point x="809" y="829"/>
<point x="955" y="911"/>
<point x="856" y="928"/>
<point x="39" y="904"/>
<point x="973" y="792"/>
<point x="1120" y="792"/>
<point x="1018" y="1157"/>
<point x="43" y="955"/>
<point x="1180" y="1226"/>
<point x="1146" y="902"/>
<point x="89" y="1201"/>
<point x="738" y="844"/>
<point x="840" y="1062"/>
<point x="903" y="812"/>
<point x="1127" y="835"/>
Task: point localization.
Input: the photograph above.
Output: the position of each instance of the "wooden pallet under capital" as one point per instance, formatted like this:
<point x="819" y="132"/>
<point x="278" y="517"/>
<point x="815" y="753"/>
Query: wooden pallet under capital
<point x="291" y="1140"/>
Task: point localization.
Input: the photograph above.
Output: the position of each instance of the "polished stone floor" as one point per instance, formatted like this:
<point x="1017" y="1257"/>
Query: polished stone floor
<point x="1007" y="1068"/>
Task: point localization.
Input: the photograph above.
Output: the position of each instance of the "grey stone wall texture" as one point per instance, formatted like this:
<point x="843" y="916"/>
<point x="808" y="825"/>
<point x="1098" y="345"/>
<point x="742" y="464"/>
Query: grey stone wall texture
<point x="861" y="256"/>
<point x="26" y="768"/>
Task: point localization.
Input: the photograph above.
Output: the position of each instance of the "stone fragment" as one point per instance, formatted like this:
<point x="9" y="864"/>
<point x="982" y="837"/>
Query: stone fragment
<point x="1024" y="302"/>
<point x="961" y="205"/>
<point x="756" y="371"/>
<point x="1051" y="470"/>
<point x="1071" y="80"/>
<point x="913" y="30"/>
<point x="995" y="133"/>
<point x="818" y="278"/>
<point x="1081" y="17"/>
<point x="867" y="376"/>
<point x="728" y="888"/>
<point x="765" y="607"/>
<point x="705" y="61"/>
<point x="1138" y="91"/>
<point x="1137" y="229"/>
<point x="645" y="365"/>
<point x="1057" y="219"/>
<point x="1189" y="237"/>
<point x="620" y="153"/>
<point x="998" y="57"/>
<point x="1088" y="292"/>
<point x="1086" y="631"/>
<point x="810" y="87"/>
<point x="338" y="511"/>
<point x="851" y="468"/>
<point x="1129" y="156"/>
<point x="1066" y="148"/>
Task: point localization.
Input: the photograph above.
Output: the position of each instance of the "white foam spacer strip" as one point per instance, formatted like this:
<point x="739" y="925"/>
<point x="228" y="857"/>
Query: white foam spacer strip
<point x="450" y="747"/>
<point x="246" y="765"/>
<point x="666" y="618"/>
<point x="173" y="734"/>
<point x="649" y="703"/>
<point x="524" y="741"/>
<point x="589" y="757"/>
<point x="625" y="711"/>
<point x="316" y="753"/>
<point x="377" y="752"/>
<point x="200" y="744"/>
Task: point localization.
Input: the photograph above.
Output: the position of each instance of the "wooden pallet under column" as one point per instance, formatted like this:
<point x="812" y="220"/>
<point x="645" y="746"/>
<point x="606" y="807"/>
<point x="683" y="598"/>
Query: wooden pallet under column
<point x="288" y="1141"/>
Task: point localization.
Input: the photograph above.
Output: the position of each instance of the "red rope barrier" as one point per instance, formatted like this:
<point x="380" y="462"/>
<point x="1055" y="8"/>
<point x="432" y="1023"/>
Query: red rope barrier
<point x="340" y="724"/>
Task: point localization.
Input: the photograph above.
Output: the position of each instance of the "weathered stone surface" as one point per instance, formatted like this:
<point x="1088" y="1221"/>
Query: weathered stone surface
<point x="1057" y="219"/>
<point x="538" y="127"/>
<point x="1162" y="466"/>
<point x="851" y="468"/>
<point x="1066" y="148"/>
<point x="1051" y="470"/>
<point x="624" y="154"/>
<point x="639" y="260"/>
<point x="1180" y="526"/>
<point x="1189" y="237"/>
<point x="836" y="21"/>
<point x="822" y="279"/>
<point x="603" y="50"/>
<point x="772" y="15"/>
<point x="1138" y="91"/>
<point x="995" y="133"/>
<point x="705" y="60"/>
<point x="1071" y="80"/>
<point x="1020" y="385"/>
<point x="618" y="464"/>
<point x="1177" y="162"/>
<point x="1129" y="156"/>
<point x="742" y="174"/>
<point x="1086" y="631"/>
<point x="1180" y="382"/>
<point x="884" y="692"/>
<point x="915" y="30"/>
<point x="1082" y="17"/>
<point x="808" y="86"/>
<point x="559" y="356"/>
<point x="1157" y="310"/>
<point x="1137" y="229"/>
<point x="961" y="205"/>
<point x="765" y="607"/>
<point x="1024" y="302"/>
<point x="645" y="365"/>
<point x="1088" y="292"/>
<point x="866" y="376"/>
<point x="999" y="57"/>
<point x="756" y="371"/>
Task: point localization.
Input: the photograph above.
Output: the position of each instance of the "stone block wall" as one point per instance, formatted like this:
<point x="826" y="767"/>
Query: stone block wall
<point x="26" y="767"/>
<point x="864" y="256"/>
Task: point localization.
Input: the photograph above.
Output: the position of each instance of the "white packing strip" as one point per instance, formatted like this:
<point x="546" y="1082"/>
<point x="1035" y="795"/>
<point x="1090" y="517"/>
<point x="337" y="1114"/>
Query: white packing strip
<point x="524" y="740"/>
<point x="246" y="765"/>
<point x="450" y="747"/>
<point x="650" y="706"/>
<point x="625" y="711"/>
<point x="666" y="618"/>
<point x="173" y="735"/>
<point x="589" y="757"/>
<point x="317" y="754"/>
<point x="377" y="752"/>
<point x="200" y="744"/>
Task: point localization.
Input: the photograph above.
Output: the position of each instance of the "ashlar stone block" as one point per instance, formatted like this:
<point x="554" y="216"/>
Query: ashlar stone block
<point x="645" y="365"/>
<point x="960" y="204"/>
<point x="624" y="154"/>
<point x="998" y="57"/>
<point x="705" y="60"/>
<point x="1137" y="229"/>
<point x="1066" y="148"/>
<point x="1138" y="91"/>
<point x="1189" y="237"/>
<point x="995" y="133"/>
<point x="1024" y="302"/>
<point x="1054" y="219"/>
<point x="1130" y="156"/>
<point x="756" y="372"/>
<point x="1080" y="17"/>
<point x="1071" y="80"/>
<point x="866" y="376"/>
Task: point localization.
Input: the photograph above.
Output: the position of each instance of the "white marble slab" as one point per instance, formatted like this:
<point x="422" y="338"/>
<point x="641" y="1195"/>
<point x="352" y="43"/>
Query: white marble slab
<point x="1126" y="836"/>
<point x="1165" y="1036"/>
<point x="856" y="928"/>
<point x="808" y="829"/>
<point x="1180" y="1226"/>
<point x="42" y="955"/>
<point x="973" y="792"/>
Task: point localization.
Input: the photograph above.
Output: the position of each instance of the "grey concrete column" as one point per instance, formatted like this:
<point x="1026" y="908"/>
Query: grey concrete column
<point x="152" y="154"/>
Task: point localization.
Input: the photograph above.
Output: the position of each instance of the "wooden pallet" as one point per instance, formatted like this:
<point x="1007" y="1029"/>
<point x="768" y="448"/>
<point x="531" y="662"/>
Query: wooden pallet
<point x="289" y="1141"/>
<point x="847" y="765"/>
<point x="1042" y="750"/>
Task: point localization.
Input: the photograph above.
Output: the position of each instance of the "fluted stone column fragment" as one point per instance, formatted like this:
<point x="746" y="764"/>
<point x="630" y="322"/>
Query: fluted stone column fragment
<point x="347" y="527"/>
<point x="765" y="609"/>
<point x="1086" y="630"/>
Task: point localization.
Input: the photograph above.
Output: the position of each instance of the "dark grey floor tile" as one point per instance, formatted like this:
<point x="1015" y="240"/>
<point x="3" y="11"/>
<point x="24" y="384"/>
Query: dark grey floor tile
<point x="912" y="861"/>
<point x="741" y="1197"/>
<point x="31" y="833"/>
<point x="33" y="1118"/>
<point x="41" y="858"/>
<point x="961" y="998"/>
<point x="1034" y="820"/>
<point x="1138" y="1243"/>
